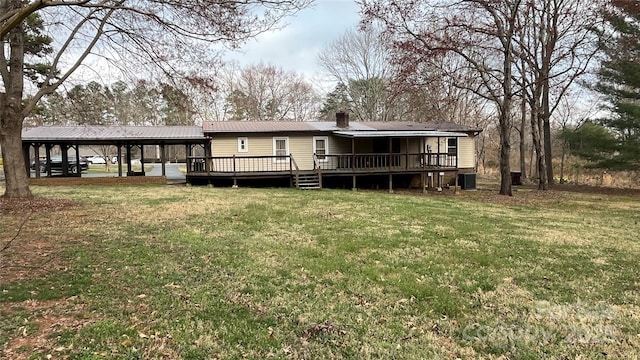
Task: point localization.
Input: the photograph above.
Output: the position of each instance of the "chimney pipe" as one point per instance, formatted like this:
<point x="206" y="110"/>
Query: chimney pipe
<point x="342" y="119"/>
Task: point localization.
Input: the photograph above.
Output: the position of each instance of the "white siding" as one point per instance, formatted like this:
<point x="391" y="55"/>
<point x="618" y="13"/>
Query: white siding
<point x="300" y="147"/>
<point x="466" y="153"/>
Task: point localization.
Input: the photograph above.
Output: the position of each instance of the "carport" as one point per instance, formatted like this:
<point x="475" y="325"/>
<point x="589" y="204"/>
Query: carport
<point x="124" y="138"/>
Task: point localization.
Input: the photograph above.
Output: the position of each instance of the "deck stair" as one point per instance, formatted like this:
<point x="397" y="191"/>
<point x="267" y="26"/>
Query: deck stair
<point x="307" y="181"/>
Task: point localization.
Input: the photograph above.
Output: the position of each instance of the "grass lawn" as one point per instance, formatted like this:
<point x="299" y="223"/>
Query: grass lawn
<point x="113" y="168"/>
<point x="140" y="272"/>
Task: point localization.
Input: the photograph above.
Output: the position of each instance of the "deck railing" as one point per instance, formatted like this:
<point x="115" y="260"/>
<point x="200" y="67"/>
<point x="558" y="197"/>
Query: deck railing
<point x="381" y="162"/>
<point x="240" y="164"/>
<point x="232" y="165"/>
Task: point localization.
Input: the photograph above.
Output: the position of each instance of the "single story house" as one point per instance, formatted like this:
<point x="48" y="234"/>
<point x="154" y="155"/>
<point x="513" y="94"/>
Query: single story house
<point x="309" y="154"/>
<point x="341" y="153"/>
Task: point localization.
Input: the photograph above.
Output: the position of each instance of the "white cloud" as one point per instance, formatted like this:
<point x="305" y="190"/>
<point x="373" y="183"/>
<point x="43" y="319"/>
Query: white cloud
<point x="295" y="47"/>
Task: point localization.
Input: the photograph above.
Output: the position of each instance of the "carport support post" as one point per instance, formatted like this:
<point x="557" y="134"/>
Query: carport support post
<point x="142" y="159"/>
<point x="65" y="159"/>
<point x="36" y="159"/>
<point x="163" y="157"/>
<point x="26" y="149"/>
<point x="47" y="149"/>
<point x="119" y="160"/>
<point x="128" y="148"/>
<point x="78" y="161"/>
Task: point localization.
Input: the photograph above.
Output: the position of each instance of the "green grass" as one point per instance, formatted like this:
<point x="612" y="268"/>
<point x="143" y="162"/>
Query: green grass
<point x="101" y="168"/>
<point x="195" y="273"/>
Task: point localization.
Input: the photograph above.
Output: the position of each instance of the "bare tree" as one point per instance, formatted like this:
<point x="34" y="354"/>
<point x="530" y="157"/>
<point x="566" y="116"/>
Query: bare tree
<point x="479" y="31"/>
<point x="358" y="59"/>
<point x="164" y="35"/>
<point x="268" y="93"/>
<point x="556" y="45"/>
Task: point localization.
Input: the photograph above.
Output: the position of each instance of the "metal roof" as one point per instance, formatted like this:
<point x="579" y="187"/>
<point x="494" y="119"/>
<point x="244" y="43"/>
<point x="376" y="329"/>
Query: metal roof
<point x="417" y="126"/>
<point x="112" y="134"/>
<point x="256" y="126"/>
<point x="396" y="134"/>
<point x="327" y="126"/>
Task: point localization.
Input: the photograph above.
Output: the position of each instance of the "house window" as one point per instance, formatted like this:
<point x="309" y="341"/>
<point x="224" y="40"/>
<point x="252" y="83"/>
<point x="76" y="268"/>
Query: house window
<point x="452" y="146"/>
<point x="280" y="148"/>
<point x="243" y="144"/>
<point x="321" y="147"/>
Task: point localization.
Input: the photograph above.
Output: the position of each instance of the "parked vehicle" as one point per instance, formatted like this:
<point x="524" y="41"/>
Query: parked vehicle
<point x="95" y="159"/>
<point x="56" y="165"/>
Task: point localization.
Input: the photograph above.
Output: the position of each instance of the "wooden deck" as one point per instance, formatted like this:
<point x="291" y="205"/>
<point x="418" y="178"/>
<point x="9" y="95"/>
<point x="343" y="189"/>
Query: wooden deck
<point x="330" y="164"/>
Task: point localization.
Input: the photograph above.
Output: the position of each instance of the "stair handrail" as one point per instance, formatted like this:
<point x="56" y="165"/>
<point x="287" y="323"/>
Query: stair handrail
<point x="317" y="169"/>
<point x="292" y="164"/>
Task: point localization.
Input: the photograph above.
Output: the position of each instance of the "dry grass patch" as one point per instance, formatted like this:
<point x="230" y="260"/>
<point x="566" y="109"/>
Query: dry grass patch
<point x="192" y="273"/>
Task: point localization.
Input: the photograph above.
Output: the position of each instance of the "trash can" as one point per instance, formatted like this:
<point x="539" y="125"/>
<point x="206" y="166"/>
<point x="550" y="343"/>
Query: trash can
<point x="516" y="178"/>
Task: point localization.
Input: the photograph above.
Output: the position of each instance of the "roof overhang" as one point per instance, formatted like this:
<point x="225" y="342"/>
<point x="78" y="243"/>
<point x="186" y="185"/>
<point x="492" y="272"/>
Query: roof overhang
<point x="105" y="135"/>
<point x="398" y="134"/>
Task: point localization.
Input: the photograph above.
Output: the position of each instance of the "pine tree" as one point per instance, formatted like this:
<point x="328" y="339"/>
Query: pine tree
<point x="336" y="100"/>
<point x="619" y="82"/>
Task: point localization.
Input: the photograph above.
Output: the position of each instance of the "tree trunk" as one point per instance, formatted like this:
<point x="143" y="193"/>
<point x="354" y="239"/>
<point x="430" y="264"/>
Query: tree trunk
<point x="505" y="118"/>
<point x="546" y="121"/>
<point x="537" y="143"/>
<point x="523" y="137"/>
<point x="11" y="116"/>
<point x="505" y="155"/>
<point x="17" y="182"/>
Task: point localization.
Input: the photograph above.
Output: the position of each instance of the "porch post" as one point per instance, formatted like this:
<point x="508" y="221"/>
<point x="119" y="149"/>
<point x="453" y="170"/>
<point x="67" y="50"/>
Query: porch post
<point x="353" y="155"/>
<point x="389" y="157"/>
<point x="406" y="154"/>
<point x="438" y="160"/>
<point x="390" y="183"/>
<point x="353" y="163"/>
<point x="207" y="156"/>
<point x="422" y="165"/>
<point x="455" y="189"/>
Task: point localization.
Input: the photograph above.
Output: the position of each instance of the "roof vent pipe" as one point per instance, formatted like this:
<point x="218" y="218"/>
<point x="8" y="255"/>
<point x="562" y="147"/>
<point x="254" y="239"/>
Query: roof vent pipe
<point x="342" y="119"/>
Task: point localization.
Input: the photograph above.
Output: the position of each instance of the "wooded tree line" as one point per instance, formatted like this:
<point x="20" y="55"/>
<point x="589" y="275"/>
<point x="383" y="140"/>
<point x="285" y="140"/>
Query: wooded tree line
<point x="507" y="66"/>
<point x="145" y="103"/>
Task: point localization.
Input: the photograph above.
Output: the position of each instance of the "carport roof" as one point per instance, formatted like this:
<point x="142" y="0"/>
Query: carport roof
<point x="114" y="134"/>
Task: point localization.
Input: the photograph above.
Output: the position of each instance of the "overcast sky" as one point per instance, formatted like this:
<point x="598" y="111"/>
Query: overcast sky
<point x="296" y="46"/>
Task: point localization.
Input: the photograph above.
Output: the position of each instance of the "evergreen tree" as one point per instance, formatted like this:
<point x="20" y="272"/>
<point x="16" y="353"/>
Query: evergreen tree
<point x="619" y="81"/>
<point x="336" y="100"/>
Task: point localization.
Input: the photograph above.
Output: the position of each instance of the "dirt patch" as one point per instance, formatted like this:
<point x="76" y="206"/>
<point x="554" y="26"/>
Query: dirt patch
<point x="600" y="190"/>
<point x="46" y="319"/>
<point x="34" y="205"/>
<point x="73" y="181"/>
<point x="26" y="251"/>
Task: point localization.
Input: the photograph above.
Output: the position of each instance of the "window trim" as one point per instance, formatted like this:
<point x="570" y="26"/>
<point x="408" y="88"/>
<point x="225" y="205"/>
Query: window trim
<point x="326" y="147"/>
<point x="246" y="144"/>
<point x="456" y="146"/>
<point x="286" y="142"/>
